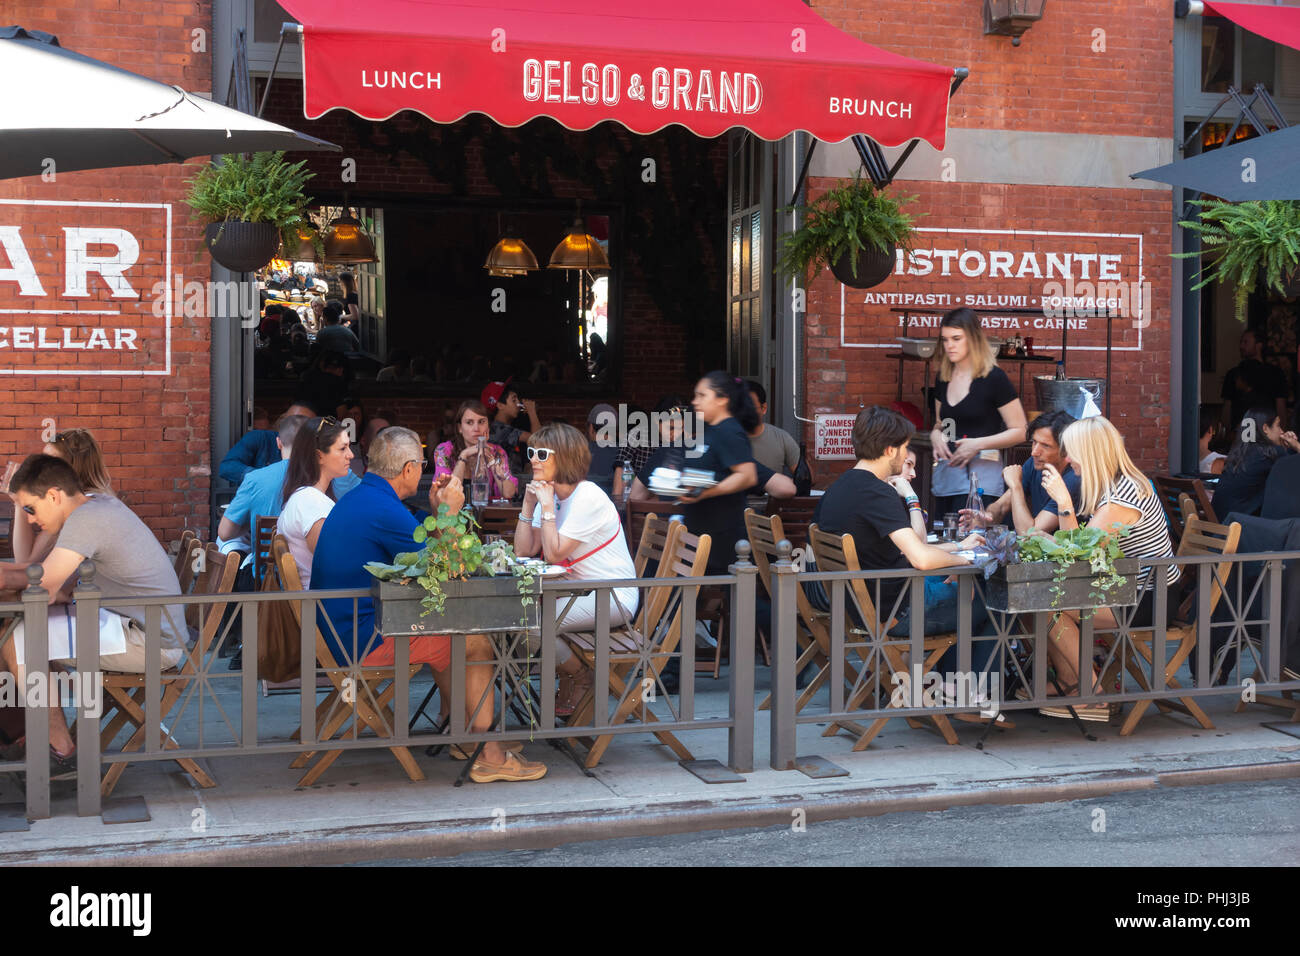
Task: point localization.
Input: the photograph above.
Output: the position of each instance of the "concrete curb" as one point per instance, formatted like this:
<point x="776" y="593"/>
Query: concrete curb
<point x="541" y="831"/>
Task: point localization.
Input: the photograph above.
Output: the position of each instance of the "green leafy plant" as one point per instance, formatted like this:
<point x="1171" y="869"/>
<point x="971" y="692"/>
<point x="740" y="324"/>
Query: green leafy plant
<point x="453" y="551"/>
<point x="1241" y="239"/>
<point x="260" y="188"/>
<point x="845" y="221"/>
<point x="1099" y="548"/>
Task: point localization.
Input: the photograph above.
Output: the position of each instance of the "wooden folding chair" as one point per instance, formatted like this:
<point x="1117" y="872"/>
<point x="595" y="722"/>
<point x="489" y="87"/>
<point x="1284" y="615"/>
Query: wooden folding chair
<point x="1169" y="489"/>
<point x="186" y="571"/>
<point x="124" y="693"/>
<point x="796" y="515"/>
<point x="263" y="532"/>
<point x="499" y="520"/>
<point x="764" y="532"/>
<point x="333" y="712"/>
<point x="657" y="535"/>
<point x="639" y="653"/>
<point x="835" y="552"/>
<point x="183" y="549"/>
<point x="1199" y="537"/>
<point x="637" y="511"/>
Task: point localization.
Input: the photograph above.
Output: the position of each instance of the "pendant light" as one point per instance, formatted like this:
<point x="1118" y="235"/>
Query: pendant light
<point x="510" y="256"/>
<point x="346" y="243"/>
<point x="578" y="250"/>
<point x="306" y="249"/>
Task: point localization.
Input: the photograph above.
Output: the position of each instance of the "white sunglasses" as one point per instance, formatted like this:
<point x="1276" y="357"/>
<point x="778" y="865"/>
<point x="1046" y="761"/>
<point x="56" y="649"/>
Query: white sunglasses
<point x="539" y="454"/>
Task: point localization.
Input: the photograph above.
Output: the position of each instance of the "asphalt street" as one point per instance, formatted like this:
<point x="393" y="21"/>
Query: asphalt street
<point x="1247" y="824"/>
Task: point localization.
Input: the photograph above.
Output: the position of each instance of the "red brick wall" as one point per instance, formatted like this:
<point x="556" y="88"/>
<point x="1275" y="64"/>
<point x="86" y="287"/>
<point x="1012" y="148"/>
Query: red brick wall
<point x="1054" y="82"/>
<point x="154" y="430"/>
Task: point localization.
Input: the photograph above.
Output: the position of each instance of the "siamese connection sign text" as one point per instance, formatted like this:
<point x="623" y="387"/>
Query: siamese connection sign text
<point x="76" y="288"/>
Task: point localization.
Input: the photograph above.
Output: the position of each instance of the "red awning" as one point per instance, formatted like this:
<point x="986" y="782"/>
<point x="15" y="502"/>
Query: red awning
<point x="1279" y="24"/>
<point x="769" y="66"/>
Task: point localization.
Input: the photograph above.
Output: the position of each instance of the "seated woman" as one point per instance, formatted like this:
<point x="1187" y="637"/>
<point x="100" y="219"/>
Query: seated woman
<point x="321" y="453"/>
<point x="459" y="456"/>
<point x="1259" y="443"/>
<point x="78" y="448"/>
<point x="1114" y="492"/>
<point x="568" y="520"/>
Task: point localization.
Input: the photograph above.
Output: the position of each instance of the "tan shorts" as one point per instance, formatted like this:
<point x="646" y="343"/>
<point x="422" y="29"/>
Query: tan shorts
<point x="132" y="660"/>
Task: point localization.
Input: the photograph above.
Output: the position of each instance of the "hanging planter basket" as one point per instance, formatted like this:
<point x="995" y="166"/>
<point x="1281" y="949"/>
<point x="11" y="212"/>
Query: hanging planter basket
<point x="874" y="267"/>
<point x="242" y="246"/>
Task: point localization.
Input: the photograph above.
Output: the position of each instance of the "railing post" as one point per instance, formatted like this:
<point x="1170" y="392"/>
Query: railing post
<point x="87" y="596"/>
<point x="740" y="741"/>
<point x="1272" y="665"/>
<point x="36" y="653"/>
<point x="784" y="612"/>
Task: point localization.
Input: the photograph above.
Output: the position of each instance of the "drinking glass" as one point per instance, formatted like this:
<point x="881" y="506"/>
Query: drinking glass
<point x="950" y="526"/>
<point x="478" y="493"/>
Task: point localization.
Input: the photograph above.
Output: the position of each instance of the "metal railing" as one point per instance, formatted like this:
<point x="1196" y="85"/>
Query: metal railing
<point x="212" y="732"/>
<point x="183" y="716"/>
<point x="1018" y="641"/>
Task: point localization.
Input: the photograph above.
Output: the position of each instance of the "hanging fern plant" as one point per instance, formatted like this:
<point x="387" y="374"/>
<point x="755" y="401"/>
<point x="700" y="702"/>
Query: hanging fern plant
<point x="843" y="222"/>
<point x="1241" y="240"/>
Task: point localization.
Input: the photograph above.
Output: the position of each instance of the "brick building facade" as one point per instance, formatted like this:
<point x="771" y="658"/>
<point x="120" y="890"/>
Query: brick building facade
<point x="1042" y="137"/>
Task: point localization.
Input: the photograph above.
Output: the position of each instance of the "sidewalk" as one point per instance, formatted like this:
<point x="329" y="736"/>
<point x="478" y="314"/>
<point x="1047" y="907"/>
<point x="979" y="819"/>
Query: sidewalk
<point x="365" y="808"/>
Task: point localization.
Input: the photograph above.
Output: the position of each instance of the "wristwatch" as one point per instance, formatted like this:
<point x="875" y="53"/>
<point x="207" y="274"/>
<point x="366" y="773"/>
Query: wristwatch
<point x="548" y="515"/>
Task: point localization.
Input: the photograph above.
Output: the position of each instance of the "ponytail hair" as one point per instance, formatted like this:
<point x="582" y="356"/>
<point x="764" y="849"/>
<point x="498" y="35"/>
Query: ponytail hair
<point x="740" y="401"/>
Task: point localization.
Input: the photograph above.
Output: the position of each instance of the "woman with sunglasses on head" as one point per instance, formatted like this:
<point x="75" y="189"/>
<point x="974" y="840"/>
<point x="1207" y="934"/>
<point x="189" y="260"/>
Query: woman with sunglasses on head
<point x="78" y="448"/>
<point x="321" y="452"/>
<point x="570" y="521"/>
<point x="459" y="456"/>
<point x="727" y="408"/>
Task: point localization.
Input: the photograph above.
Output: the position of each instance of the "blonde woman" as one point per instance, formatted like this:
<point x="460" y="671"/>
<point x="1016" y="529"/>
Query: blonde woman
<point x="78" y="448"/>
<point x="1113" y="492"/>
<point x="977" y="414"/>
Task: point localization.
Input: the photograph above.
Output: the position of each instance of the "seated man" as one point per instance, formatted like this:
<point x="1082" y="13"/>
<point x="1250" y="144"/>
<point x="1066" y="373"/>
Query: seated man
<point x="372" y="524"/>
<point x="256" y="449"/>
<point x="128" y="560"/>
<point x="862" y="502"/>
<point x="1025" y="501"/>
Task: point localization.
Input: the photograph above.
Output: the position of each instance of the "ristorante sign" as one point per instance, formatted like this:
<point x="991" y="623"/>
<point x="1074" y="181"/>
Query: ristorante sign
<point x="770" y="66"/>
<point x="82" y="290"/>
<point x="1037" y="284"/>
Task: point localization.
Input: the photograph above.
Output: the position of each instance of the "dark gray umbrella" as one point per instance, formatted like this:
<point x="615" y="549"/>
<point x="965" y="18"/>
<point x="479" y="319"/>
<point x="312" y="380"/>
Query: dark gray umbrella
<point x="82" y="113"/>
<point x="1266" y="167"/>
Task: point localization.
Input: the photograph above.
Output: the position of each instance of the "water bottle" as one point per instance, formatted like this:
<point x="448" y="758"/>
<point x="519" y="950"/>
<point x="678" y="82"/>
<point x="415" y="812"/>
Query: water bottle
<point x="628" y="476"/>
<point x="478" y="486"/>
<point x="975" y="505"/>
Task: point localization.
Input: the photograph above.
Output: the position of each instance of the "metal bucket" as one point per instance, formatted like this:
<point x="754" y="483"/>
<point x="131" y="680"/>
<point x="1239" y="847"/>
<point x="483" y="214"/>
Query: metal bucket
<point x="1069" y="395"/>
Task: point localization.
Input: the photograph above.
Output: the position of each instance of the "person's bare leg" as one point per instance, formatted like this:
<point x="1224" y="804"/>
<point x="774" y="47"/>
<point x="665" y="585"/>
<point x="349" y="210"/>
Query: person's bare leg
<point x="1063" y="649"/>
<point x="443" y="680"/>
<point x="60" y="738"/>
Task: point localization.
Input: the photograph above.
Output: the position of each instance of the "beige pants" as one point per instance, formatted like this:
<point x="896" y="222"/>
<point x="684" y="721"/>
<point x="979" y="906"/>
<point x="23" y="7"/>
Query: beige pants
<point x="132" y="660"/>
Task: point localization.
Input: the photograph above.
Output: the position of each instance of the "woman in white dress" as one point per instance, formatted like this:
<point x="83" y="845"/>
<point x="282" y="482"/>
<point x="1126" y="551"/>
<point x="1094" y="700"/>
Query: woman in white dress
<point x="321" y="453"/>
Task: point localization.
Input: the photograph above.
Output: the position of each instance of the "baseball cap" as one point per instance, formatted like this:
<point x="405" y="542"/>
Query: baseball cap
<point x="593" y="417"/>
<point x="493" y="394"/>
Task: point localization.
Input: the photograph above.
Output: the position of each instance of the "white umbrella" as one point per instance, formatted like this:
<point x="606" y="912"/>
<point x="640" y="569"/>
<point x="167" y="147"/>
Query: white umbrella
<point x="85" y="114"/>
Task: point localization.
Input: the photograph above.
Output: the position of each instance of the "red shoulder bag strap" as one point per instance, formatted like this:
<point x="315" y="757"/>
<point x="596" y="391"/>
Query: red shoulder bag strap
<point x="570" y="562"/>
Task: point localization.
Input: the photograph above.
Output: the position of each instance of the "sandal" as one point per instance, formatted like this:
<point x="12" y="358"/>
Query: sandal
<point x="573" y="688"/>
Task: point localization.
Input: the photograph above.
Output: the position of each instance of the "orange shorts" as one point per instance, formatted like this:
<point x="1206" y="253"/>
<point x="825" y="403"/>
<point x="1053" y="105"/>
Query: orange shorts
<point x="432" y="649"/>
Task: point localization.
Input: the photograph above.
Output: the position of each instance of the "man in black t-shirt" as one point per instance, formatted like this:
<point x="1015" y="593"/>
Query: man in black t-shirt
<point x="1252" y="382"/>
<point x="864" y="504"/>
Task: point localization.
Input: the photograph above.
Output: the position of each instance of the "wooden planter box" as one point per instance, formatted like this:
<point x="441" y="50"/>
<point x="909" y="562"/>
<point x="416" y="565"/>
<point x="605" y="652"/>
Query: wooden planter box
<point x="1027" y="587"/>
<point x="476" y="606"/>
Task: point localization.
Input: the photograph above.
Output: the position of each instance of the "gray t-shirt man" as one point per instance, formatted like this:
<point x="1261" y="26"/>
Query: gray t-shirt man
<point x="128" y="560"/>
<point x="775" y="448"/>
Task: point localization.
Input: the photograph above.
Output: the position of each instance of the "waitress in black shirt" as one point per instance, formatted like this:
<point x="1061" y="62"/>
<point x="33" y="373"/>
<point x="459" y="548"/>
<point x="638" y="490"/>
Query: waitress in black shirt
<point x="728" y="412"/>
<point x="977" y="415"/>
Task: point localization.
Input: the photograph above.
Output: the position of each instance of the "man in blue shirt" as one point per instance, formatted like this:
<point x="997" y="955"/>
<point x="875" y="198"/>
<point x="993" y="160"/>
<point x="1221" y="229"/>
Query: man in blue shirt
<point x="256" y="449"/>
<point x="1025" y="501"/>
<point x="372" y="524"/>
